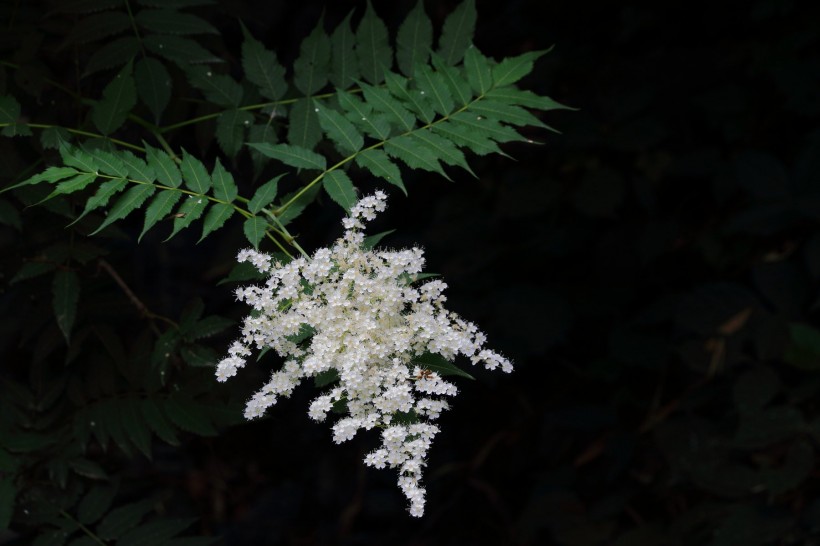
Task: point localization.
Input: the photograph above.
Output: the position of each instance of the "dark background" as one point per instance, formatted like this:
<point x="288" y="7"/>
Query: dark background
<point x="644" y="270"/>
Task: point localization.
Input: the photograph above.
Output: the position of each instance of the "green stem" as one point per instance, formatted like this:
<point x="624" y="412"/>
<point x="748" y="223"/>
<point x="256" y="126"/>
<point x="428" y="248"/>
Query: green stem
<point x="134" y="26"/>
<point x="79" y="132"/>
<point x="290" y="239"/>
<point x="154" y="130"/>
<point x="53" y="83"/>
<point x="82" y="527"/>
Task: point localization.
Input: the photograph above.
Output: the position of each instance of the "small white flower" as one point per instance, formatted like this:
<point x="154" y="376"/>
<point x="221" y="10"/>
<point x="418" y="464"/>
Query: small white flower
<point x="365" y="322"/>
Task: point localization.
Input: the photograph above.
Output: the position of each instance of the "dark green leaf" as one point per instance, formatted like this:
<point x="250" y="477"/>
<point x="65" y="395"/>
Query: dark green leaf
<point x="486" y="126"/>
<point x="377" y="162"/>
<point x="457" y="83"/>
<point x="254" y="229"/>
<point x="112" y="54"/>
<point x="194" y="174"/>
<point x="224" y="186"/>
<point x="168" y="21"/>
<point x="189" y="211"/>
<point x="189" y="415"/>
<point x="527" y="99"/>
<point x="182" y="51"/>
<point x="414" y="154"/>
<point x="121" y="519"/>
<point x="302" y="201"/>
<point x="457" y="32"/>
<point x="208" y="326"/>
<point x="9" y="109"/>
<point x="462" y="135"/>
<point x="118" y="98"/>
<point x="340" y="188"/>
<point x="262" y="68"/>
<point x="97" y="26"/>
<point x="325" y="378"/>
<point x="88" y="469"/>
<point x="55" y="138"/>
<point x="166" y="170"/>
<point x="126" y="204"/>
<point x="231" y="126"/>
<point x="371" y="241"/>
<point x="383" y="101"/>
<point x="291" y="155"/>
<point x="159" y="208"/>
<point x="414" y="40"/>
<point x="153" y="85"/>
<point x="344" y="70"/>
<point x="512" y="69"/>
<point x="158" y="423"/>
<point x="373" y="52"/>
<point x="199" y="356"/>
<point x="29" y="270"/>
<point x="415" y="99"/>
<point x="310" y="70"/>
<point x="437" y="363"/>
<point x="8" y="493"/>
<point x="216" y="218"/>
<point x="84" y="6"/>
<point x="478" y="71"/>
<point x="65" y="290"/>
<point x="154" y="532"/>
<point x="134" y="423"/>
<point x="220" y="89"/>
<point x="264" y="195"/>
<point x="95" y="503"/>
<point x="506" y="113"/>
<point x="444" y="149"/>
<point x="340" y="130"/>
<point x="361" y="114"/>
<point x="303" y="124"/>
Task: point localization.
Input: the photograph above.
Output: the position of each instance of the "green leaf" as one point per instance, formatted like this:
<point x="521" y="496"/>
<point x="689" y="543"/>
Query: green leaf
<point x="224" y="186"/>
<point x="254" y="229"/>
<point x="153" y="85"/>
<point x="415" y="155"/>
<point x="486" y="126"/>
<point x="52" y="174"/>
<point x="208" y="326"/>
<point x="112" y="54"/>
<point x="216" y="218"/>
<point x="16" y="129"/>
<point x="194" y="174"/>
<point x="295" y="209"/>
<point x="79" y="158"/>
<point x="135" y="425"/>
<point x="344" y="69"/>
<point x="102" y="196"/>
<point x="88" y="469"/>
<point x="109" y="163"/>
<point x="55" y="138"/>
<point x="158" y="423"/>
<point x="189" y="211"/>
<point x="189" y="415"/>
<point x="159" y="208"/>
<point x="459" y="86"/>
<point x="121" y="519"/>
<point x="377" y="162"/>
<point x="9" y="109"/>
<point x="95" y="503"/>
<point x="136" y="168"/>
<point x="361" y="114"/>
<point x="457" y="32"/>
<point x="478" y="70"/>
<point x="126" y="204"/>
<point x="72" y="185"/>
<point x="219" y="89"/>
<point x="512" y="69"/>
<point x="97" y="26"/>
<point x="310" y="70"/>
<point x="29" y="270"/>
<point x="506" y="113"/>
<point x="444" y="149"/>
<point x="291" y="155"/>
<point x="304" y="129"/>
<point x="158" y="531"/>
<point x="414" y="40"/>
<point x="262" y="68"/>
<point x="231" y="126"/>
<point x="118" y="98"/>
<point x="383" y="101"/>
<point x="528" y="99"/>
<point x="65" y="290"/>
<point x="417" y="100"/>
<point x="437" y="363"/>
<point x="9" y="215"/>
<point x="8" y="493"/>
<point x="462" y="135"/>
<point x="166" y="170"/>
<point x="373" y="50"/>
<point x="371" y="241"/>
<point x="182" y="51"/>
<point x="340" y="188"/>
<point x="322" y="379"/>
<point x="340" y="131"/>
<point x="168" y="21"/>
<point x="264" y="195"/>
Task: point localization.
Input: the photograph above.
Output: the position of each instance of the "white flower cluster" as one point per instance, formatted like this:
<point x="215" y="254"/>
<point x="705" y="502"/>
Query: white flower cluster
<point x="355" y="314"/>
